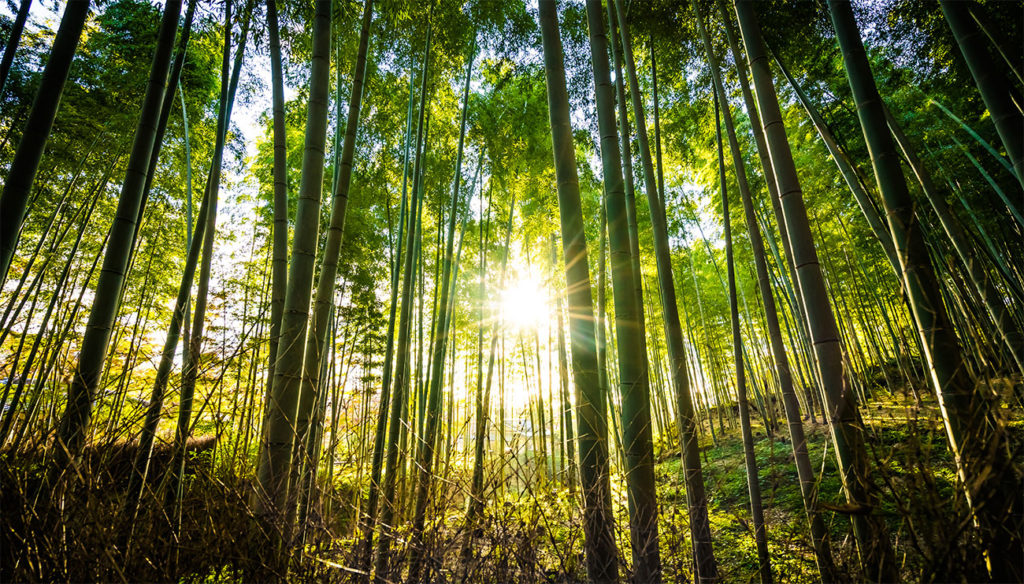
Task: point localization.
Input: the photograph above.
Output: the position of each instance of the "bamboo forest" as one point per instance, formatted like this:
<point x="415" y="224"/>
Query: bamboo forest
<point x="403" y="291"/>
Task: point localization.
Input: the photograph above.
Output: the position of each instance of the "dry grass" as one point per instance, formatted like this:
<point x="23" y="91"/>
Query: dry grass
<point x="531" y="529"/>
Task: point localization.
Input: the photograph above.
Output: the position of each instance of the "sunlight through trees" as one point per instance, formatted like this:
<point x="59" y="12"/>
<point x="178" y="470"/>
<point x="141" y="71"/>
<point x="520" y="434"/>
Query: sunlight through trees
<point x="489" y="291"/>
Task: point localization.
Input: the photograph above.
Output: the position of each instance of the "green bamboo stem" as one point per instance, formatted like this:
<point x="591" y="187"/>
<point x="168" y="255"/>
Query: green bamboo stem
<point x="591" y="394"/>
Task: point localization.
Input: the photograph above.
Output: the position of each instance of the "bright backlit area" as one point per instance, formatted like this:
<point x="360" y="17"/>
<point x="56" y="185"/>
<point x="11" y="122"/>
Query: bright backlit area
<point x="526" y="303"/>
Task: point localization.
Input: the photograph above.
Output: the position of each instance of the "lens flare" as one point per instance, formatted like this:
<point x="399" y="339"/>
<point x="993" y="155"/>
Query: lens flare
<point x="524" y="304"/>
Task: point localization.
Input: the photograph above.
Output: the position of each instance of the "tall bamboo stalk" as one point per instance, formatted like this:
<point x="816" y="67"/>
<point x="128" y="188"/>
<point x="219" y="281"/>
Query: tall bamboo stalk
<point x="17" y="27"/>
<point x="315" y="341"/>
<point x="749" y="457"/>
<point x="440" y="346"/>
<point x="399" y="391"/>
<point x="572" y="470"/>
<point x="590" y="393"/>
<point x="483" y="402"/>
<point x="634" y="382"/>
<point x="993" y="300"/>
<point x="993" y="86"/>
<point x="376" y="464"/>
<point x="192" y="357"/>
<point x="808" y="482"/>
<point x="22" y="173"/>
<point x="274" y="465"/>
<point x="81" y="394"/>
<point x="848" y="170"/>
<point x="700" y="530"/>
<point x="976" y="442"/>
<point x="877" y="556"/>
<point x="279" y="235"/>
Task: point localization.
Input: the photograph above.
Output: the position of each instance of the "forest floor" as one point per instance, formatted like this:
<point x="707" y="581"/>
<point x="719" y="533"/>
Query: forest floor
<point x="535" y="533"/>
<point x="912" y="469"/>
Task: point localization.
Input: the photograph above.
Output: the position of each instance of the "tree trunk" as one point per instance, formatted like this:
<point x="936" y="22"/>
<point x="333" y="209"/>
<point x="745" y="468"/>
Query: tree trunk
<point x="590" y="394"/>
<point x="22" y="173"/>
<point x="634" y="380"/>
<point x="974" y="434"/>
<point x="700" y="530"/>
<point x="872" y="537"/>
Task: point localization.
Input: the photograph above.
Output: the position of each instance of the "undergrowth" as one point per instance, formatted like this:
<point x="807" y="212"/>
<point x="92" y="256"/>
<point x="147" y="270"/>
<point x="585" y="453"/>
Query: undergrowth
<point x="531" y="530"/>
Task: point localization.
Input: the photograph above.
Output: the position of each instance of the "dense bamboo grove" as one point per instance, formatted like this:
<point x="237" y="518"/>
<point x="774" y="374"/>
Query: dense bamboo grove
<point x="591" y="291"/>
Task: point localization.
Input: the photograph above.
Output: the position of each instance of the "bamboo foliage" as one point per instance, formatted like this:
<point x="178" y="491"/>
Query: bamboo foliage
<point x="405" y="423"/>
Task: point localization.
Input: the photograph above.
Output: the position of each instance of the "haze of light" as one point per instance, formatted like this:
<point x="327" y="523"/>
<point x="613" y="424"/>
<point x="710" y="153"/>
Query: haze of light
<point x="524" y="305"/>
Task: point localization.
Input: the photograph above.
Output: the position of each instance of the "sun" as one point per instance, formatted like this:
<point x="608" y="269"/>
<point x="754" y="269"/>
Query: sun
<point x="524" y="304"/>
